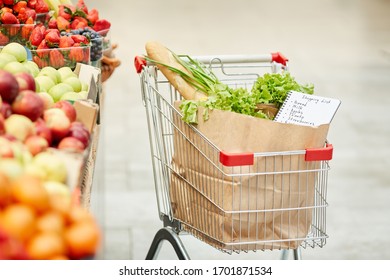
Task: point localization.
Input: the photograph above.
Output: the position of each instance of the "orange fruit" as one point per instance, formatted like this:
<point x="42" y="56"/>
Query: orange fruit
<point x="18" y="220"/>
<point x="51" y="221"/>
<point x="82" y="239"/>
<point x="46" y="245"/>
<point x="59" y="204"/>
<point x="29" y="190"/>
<point x="5" y="190"/>
<point x="79" y="214"/>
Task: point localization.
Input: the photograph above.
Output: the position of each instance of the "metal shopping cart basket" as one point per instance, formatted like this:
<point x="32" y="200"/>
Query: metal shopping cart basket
<point x="217" y="196"/>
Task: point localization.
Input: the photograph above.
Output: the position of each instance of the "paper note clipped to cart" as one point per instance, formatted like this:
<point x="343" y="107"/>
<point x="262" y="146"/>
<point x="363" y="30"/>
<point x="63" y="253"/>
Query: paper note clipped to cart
<point x="306" y="109"/>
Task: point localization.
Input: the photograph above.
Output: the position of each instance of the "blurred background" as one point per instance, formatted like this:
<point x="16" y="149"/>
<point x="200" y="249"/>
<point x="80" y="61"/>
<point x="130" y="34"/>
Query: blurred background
<point x="341" y="46"/>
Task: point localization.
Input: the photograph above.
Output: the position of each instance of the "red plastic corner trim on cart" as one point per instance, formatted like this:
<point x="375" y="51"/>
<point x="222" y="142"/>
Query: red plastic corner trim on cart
<point x="228" y="159"/>
<point x="139" y="63"/>
<point x="319" y="153"/>
<point x="279" y="58"/>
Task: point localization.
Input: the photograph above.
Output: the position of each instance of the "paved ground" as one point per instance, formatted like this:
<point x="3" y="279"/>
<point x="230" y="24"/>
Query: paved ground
<point x="342" y="46"/>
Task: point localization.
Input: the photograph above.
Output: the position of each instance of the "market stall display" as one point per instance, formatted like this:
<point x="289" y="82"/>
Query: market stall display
<point x="50" y="86"/>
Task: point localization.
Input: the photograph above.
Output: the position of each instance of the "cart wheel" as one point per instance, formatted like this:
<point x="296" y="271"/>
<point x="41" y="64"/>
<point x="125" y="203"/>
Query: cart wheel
<point x="169" y="235"/>
<point x="297" y="254"/>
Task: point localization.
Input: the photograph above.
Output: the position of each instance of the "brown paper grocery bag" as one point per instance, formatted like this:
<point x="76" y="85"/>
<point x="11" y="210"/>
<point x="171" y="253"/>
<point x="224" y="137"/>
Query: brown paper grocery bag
<point x="267" y="205"/>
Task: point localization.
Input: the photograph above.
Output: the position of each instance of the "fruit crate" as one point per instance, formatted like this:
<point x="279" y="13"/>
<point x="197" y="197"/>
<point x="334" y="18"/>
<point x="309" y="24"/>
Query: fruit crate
<point x="60" y="57"/>
<point x="106" y="34"/>
<point x="19" y="33"/>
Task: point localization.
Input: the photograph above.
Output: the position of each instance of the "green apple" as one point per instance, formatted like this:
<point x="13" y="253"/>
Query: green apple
<point x="32" y="67"/>
<point x="84" y="94"/>
<point x="48" y="101"/>
<point x="84" y="86"/>
<point x="66" y="72"/>
<point x="15" y="67"/>
<point x="6" y="58"/>
<point x="17" y="50"/>
<point x="74" y="82"/>
<point x="58" y="90"/>
<point x="52" y="73"/>
<point x="72" y="96"/>
<point x="54" y="187"/>
<point x="44" y="83"/>
<point x="53" y="166"/>
<point x="11" y="167"/>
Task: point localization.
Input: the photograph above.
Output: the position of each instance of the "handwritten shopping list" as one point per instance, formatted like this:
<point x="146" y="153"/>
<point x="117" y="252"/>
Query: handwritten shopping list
<point x="305" y="109"/>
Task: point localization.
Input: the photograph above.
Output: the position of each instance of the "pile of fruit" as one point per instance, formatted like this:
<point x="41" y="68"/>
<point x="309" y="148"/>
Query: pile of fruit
<point x="18" y="19"/>
<point x="40" y="222"/>
<point x="39" y="118"/>
<point x="41" y="136"/>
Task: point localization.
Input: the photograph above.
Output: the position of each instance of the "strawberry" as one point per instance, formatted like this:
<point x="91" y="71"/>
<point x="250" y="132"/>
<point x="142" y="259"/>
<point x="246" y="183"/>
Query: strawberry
<point x="41" y="7"/>
<point x="80" y="39"/>
<point x="19" y="5"/>
<point x="31" y="3"/>
<point x="76" y="53"/>
<point x="28" y="28"/>
<point x="66" y="42"/>
<point x="66" y="11"/>
<point x="93" y="16"/>
<point x="62" y="23"/>
<point x="42" y="49"/>
<point x="81" y="6"/>
<point x="31" y="13"/>
<point x="37" y="36"/>
<point x="8" y="18"/>
<point x="4" y="40"/>
<point x="52" y="24"/>
<point x="52" y="38"/>
<point x="22" y="16"/>
<point x="56" y="58"/>
<point x="40" y="62"/>
<point x="101" y="24"/>
<point x="8" y="2"/>
<point x="6" y="9"/>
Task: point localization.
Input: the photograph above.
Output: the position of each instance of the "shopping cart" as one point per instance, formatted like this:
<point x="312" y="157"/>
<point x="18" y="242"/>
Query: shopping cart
<point x="216" y="196"/>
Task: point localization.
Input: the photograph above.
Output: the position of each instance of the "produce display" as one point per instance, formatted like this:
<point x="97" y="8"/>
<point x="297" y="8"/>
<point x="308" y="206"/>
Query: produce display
<point x="39" y="221"/>
<point x="199" y="86"/>
<point x="44" y="141"/>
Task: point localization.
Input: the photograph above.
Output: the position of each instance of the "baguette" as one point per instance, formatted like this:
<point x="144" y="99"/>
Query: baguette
<point x="160" y="53"/>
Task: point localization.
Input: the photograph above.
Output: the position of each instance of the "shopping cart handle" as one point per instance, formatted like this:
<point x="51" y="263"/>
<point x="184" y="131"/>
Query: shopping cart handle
<point x="317" y="154"/>
<point x="232" y="159"/>
<point x="279" y="58"/>
<point x="139" y="63"/>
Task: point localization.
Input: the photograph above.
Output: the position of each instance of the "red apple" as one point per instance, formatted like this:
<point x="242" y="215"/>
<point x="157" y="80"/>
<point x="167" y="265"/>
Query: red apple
<point x="2" y="126"/>
<point x="58" y="123"/>
<point x="5" y="109"/>
<point x="25" y="81"/>
<point x="79" y="131"/>
<point x="36" y="144"/>
<point x="71" y="144"/>
<point x="9" y="87"/>
<point x="6" y="150"/>
<point x="68" y="109"/>
<point x="42" y="130"/>
<point x="28" y="104"/>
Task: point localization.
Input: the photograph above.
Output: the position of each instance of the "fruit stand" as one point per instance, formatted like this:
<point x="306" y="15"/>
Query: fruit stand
<point x="54" y="57"/>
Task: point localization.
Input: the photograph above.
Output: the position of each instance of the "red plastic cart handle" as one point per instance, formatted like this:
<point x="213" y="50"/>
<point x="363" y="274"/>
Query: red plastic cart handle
<point x="279" y="58"/>
<point x="139" y="63"/>
<point x="319" y="153"/>
<point x="230" y="159"/>
<point x="241" y="159"/>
